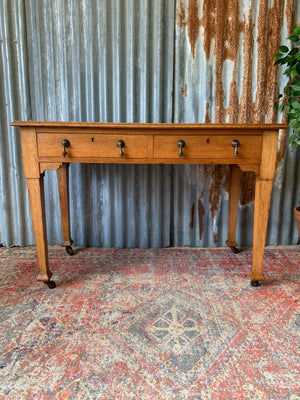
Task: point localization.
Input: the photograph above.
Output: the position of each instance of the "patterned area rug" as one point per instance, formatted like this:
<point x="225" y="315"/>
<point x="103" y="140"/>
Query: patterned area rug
<point x="150" y="324"/>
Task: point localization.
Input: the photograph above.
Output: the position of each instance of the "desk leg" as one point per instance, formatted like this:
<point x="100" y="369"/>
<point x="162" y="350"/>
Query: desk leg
<point x="234" y="196"/>
<point x="37" y="204"/>
<point x="263" y="190"/>
<point x="63" y="189"/>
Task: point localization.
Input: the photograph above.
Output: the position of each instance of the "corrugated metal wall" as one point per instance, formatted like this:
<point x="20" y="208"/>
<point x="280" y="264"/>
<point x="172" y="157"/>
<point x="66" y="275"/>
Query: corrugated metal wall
<point x="143" y="61"/>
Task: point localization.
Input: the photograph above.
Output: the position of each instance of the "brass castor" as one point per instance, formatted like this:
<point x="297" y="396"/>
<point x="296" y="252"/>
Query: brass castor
<point x="234" y="249"/>
<point x="50" y="284"/>
<point x="70" y="251"/>
<point x="255" y="283"/>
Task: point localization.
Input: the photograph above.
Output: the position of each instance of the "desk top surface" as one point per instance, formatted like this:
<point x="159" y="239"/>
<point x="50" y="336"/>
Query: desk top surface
<point x="147" y="126"/>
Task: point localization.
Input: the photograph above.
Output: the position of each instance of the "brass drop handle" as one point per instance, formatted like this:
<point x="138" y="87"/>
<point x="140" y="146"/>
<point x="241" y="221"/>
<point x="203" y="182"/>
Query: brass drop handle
<point x="180" y="144"/>
<point x="235" y="143"/>
<point x="121" y="144"/>
<point x="65" y="143"/>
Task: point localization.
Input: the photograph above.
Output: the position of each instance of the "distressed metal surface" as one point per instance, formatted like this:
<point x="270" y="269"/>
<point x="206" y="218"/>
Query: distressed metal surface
<point x="15" y="219"/>
<point x="224" y="73"/>
<point x="134" y="60"/>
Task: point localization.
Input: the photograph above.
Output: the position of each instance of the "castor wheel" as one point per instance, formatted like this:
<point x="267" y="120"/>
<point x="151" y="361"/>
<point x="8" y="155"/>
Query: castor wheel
<point x="70" y="251"/>
<point x="50" y="284"/>
<point x="234" y="249"/>
<point x="255" y="283"/>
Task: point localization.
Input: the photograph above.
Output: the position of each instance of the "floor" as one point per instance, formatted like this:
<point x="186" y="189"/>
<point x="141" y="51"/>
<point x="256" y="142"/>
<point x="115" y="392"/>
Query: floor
<point x="176" y="323"/>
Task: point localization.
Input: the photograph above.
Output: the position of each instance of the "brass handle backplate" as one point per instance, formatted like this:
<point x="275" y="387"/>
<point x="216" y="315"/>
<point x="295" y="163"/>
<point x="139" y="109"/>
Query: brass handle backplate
<point x="180" y="144"/>
<point x="121" y="144"/>
<point x="235" y="143"/>
<point x="65" y="143"/>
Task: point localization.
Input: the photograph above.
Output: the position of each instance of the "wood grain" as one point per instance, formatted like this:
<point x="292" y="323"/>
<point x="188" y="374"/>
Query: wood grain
<point x="149" y="143"/>
<point x="63" y="190"/>
<point x="207" y="147"/>
<point x="263" y="190"/>
<point x="234" y="196"/>
<point x="53" y="125"/>
<point x="269" y="154"/>
<point x="37" y="205"/>
<point x="29" y="150"/>
<point x="92" y="145"/>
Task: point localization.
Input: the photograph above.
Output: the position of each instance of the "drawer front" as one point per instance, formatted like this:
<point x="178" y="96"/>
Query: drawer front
<point x="210" y="147"/>
<point x="92" y="145"/>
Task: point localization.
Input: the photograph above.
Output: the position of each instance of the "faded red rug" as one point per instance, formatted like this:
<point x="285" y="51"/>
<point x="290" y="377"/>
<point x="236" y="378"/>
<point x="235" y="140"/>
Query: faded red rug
<point x="150" y="324"/>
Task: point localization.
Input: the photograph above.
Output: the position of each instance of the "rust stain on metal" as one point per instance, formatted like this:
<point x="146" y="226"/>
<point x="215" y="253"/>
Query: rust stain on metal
<point x="245" y="107"/>
<point x="233" y="106"/>
<point x="215" y="237"/>
<point x="206" y="172"/>
<point x="219" y="54"/>
<point x="262" y="38"/>
<point x="181" y="15"/>
<point x="275" y="21"/>
<point x="200" y="217"/>
<point x="222" y="27"/>
<point x="189" y="19"/>
<point x="192" y="216"/>
<point x="223" y="32"/>
<point x="193" y="24"/>
<point x="269" y="25"/>
<point x="247" y="188"/>
<point x="220" y="177"/>
<point x="232" y="29"/>
<point x="207" y="119"/>
<point x="226" y="178"/>
<point x="282" y="146"/>
<point x="208" y="23"/>
<point x="267" y="88"/>
<point x="184" y="90"/>
<point x="290" y="14"/>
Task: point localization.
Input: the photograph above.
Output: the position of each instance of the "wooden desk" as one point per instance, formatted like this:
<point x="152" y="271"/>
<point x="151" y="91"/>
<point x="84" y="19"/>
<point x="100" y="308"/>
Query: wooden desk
<point x="53" y="145"/>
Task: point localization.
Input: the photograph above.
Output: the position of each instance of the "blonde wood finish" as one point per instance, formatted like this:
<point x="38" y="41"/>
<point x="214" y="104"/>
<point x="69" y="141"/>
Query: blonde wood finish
<point x="149" y="143"/>
<point x="63" y="190"/>
<point x="92" y="145"/>
<point x="234" y="196"/>
<point x="51" y="165"/>
<point x="263" y="190"/>
<point x="253" y="168"/>
<point x="269" y="154"/>
<point x="208" y="146"/>
<point x="37" y="205"/>
<point x="29" y="149"/>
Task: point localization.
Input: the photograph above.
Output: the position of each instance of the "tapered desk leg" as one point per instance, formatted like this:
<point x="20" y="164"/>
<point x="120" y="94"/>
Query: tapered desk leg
<point x="234" y="196"/>
<point x="63" y="189"/>
<point x="37" y="204"/>
<point x="263" y="190"/>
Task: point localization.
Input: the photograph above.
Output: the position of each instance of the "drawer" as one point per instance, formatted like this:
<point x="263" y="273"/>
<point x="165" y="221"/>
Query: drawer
<point x="208" y="147"/>
<point x="92" y="145"/>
